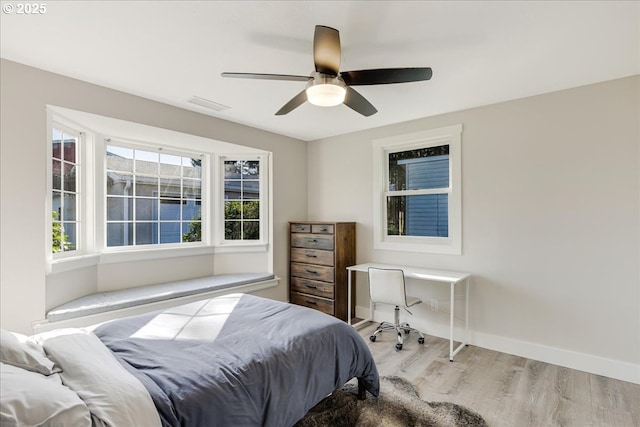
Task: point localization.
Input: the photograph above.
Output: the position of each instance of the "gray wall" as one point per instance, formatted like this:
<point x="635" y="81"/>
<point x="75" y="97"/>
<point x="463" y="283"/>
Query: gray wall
<point x="25" y="290"/>
<point x="551" y="223"/>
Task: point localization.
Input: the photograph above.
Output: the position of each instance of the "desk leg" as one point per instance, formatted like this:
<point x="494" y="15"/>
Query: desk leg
<point x="465" y="338"/>
<point x="451" y="317"/>
<point x="466" y="311"/>
<point x="349" y="273"/>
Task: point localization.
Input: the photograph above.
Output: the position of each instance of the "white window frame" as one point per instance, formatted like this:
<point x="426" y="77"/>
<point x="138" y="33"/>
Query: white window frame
<point x="101" y="195"/>
<point x="84" y="213"/>
<point x="450" y="135"/>
<point x="261" y="244"/>
<point x="92" y="247"/>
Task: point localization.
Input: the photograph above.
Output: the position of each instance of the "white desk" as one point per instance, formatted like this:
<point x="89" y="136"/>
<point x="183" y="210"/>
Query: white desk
<point x="451" y="277"/>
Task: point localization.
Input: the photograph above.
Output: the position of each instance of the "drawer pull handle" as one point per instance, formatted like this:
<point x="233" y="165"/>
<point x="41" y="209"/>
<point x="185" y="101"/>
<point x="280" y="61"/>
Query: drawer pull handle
<point x="324" y="229"/>
<point x="311" y="256"/>
<point x="311" y="302"/>
<point x="310" y="286"/>
<point x="311" y="272"/>
<point x="312" y="240"/>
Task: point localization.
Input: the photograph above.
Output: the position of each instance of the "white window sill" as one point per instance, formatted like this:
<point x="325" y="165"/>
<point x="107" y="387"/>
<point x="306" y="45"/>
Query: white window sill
<point x="70" y="263"/>
<point x="241" y="248"/>
<point x="435" y="246"/>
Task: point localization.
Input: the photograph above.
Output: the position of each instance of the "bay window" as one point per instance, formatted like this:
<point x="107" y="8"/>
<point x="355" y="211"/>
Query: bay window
<point x="121" y="198"/>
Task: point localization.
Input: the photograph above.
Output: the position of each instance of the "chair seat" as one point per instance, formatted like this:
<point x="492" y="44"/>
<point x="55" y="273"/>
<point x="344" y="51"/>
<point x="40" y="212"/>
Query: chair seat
<point x="413" y="301"/>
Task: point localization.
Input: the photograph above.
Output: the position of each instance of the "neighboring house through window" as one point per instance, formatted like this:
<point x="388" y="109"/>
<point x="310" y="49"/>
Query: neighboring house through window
<point x="417" y="201"/>
<point x="152" y="197"/>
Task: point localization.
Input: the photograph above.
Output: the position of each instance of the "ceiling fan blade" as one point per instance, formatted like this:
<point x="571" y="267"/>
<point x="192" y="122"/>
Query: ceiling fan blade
<point x="294" y="103"/>
<point x="358" y="103"/>
<point x="326" y="50"/>
<point x="268" y="76"/>
<point x="384" y="76"/>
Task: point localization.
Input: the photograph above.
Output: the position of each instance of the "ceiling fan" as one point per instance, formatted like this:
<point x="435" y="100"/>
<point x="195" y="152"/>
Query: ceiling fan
<point x="328" y="86"/>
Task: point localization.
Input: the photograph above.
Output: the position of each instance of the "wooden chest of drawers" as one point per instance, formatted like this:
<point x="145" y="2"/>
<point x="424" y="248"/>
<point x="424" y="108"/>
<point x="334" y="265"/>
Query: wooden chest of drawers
<point x="319" y="253"/>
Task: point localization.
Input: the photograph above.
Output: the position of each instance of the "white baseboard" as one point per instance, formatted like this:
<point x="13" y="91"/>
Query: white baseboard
<point x="598" y="365"/>
<point x="557" y="356"/>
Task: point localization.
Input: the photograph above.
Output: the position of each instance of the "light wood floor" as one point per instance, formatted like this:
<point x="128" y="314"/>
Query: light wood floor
<point x="507" y="390"/>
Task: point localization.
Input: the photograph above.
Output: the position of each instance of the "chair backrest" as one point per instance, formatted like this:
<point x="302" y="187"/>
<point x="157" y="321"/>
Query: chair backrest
<point x="387" y="286"/>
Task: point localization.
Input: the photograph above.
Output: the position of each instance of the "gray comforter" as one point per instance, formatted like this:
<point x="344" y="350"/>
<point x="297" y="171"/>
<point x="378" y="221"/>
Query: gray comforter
<point x="239" y="360"/>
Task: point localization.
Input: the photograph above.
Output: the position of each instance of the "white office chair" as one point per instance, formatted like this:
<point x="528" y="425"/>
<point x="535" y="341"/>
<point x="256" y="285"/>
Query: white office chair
<point x="386" y="286"/>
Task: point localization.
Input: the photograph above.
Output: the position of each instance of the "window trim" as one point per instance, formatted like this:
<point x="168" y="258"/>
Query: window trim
<point x="83" y="214"/>
<point x="450" y="135"/>
<point x="101" y="195"/>
<point x="93" y="204"/>
<point x="223" y="245"/>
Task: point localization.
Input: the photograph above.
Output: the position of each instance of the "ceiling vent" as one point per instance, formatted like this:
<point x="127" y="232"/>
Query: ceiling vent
<point x="207" y="104"/>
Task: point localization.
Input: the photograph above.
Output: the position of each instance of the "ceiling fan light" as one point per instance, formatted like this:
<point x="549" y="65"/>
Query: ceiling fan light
<point x="326" y="95"/>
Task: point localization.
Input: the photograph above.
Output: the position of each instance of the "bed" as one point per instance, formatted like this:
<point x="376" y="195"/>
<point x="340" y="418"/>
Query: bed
<point x="236" y="360"/>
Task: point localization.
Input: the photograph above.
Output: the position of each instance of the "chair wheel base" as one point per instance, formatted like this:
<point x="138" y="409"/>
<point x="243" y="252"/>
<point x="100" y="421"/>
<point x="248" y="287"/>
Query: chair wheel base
<point x="421" y="340"/>
<point x="398" y="346"/>
<point x="372" y="338"/>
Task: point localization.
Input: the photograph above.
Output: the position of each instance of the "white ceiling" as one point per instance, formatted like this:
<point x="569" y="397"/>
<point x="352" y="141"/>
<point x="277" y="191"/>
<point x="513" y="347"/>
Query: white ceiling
<point x="481" y="52"/>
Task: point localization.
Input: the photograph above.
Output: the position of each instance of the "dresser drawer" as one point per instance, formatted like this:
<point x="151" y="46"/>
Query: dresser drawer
<point x="321" y="304"/>
<point x="312" y="256"/>
<point x="322" y="228"/>
<point x="312" y="287"/>
<point x="313" y="272"/>
<point x="300" y="228"/>
<point x="312" y="241"/>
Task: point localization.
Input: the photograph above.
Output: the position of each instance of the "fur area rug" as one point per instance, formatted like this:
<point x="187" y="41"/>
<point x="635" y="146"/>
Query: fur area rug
<point x="398" y="405"/>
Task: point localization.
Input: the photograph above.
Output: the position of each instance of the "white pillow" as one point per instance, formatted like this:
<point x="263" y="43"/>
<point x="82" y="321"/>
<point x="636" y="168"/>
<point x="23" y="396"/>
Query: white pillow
<point x="31" y="399"/>
<point x="21" y="351"/>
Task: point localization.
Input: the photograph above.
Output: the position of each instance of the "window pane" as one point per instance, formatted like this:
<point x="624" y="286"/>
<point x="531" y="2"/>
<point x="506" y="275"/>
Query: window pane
<point x="146" y="162"/>
<point x="119" y="234"/>
<point x="251" y="210"/>
<point x="146" y="186"/>
<point x="170" y="165"/>
<point x="232" y="230"/>
<point x="419" y="169"/>
<point x="232" y="189"/>
<point x="56" y="173"/>
<point x="170" y="188"/>
<point x="191" y="168"/>
<point x="146" y="233"/>
<point x="119" y="208"/>
<point x="56" y="204"/>
<point x="69" y="182"/>
<point x="69" y="211"/>
<point x="70" y="236"/>
<point x="191" y="189"/>
<point x="250" y="189"/>
<point x="251" y="169"/>
<point x="146" y="209"/>
<point x="170" y="232"/>
<point x="119" y="184"/>
<point x="119" y="159"/>
<point x="192" y="231"/>
<point x="424" y="215"/>
<point x="233" y="210"/>
<point x="69" y="148"/>
<point x="56" y="139"/>
<point x="170" y="210"/>
<point x="191" y="210"/>
<point x="251" y="230"/>
<point x="232" y="169"/>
